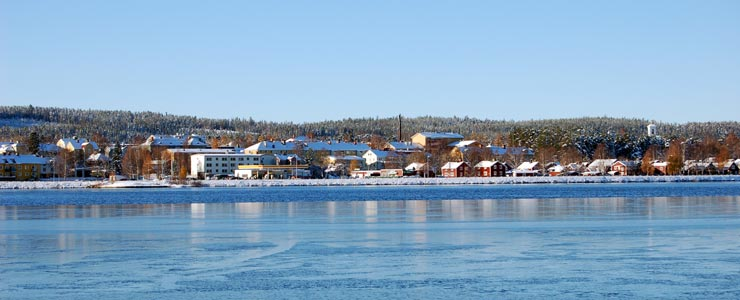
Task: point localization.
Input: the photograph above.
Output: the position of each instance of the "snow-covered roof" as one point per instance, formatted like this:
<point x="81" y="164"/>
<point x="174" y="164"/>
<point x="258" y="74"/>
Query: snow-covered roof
<point x="441" y="135"/>
<point x="660" y="164"/>
<point x="201" y="151"/>
<point x="462" y="144"/>
<point x="556" y="168"/>
<point x="405" y="146"/>
<point x="487" y="164"/>
<point x="600" y="163"/>
<point x="497" y="150"/>
<point x="377" y="153"/>
<point x="288" y="157"/>
<point x="301" y="138"/>
<point x="346" y="158"/>
<point x="528" y="166"/>
<point x="78" y="143"/>
<point x="415" y="166"/>
<point x="627" y="163"/>
<point x="453" y="165"/>
<point x="7" y="147"/>
<point x="176" y="141"/>
<point x="23" y="159"/>
<point x="48" y="148"/>
<point x="271" y="146"/>
<point x="337" y="146"/>
<point x="98" y="157"/>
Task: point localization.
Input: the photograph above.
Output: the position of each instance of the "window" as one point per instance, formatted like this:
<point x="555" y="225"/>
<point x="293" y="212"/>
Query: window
<point x="208" y="165"/>
<point x="233" y="159"/>
<point x="208" y="159"/>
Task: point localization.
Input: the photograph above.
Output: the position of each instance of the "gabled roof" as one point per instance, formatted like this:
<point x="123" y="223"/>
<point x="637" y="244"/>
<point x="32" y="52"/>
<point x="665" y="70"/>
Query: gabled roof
<point x="377" y="153"/>
<point x="528" y="166"/>
<point x="272" y="146"/>
<point x="415" y="166"/>
<point x="463" y="144"/>
<point x="23" y="159"/>
<point x="78" y="144"/>
<point x="176" y="141"/>
<point x="453" y="165"/>
<point x="598" y="163"/>
<point x="487" y="164"/>
<point x="405" y="146"/>
<point x="98" y="157"/>
<point x="441" y="135"/>
<point x="627" y="163"/>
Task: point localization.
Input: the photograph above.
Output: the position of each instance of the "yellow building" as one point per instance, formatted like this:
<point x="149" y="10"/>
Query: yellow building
<point x="23" y="167"/>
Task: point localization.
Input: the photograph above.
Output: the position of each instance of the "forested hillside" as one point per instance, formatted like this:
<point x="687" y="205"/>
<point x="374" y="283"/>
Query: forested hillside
<point x="623" y="137"/>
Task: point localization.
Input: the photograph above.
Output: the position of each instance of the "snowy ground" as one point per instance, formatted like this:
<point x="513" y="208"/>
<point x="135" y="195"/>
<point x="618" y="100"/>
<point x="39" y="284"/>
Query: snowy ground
<point x="386" y="181"/>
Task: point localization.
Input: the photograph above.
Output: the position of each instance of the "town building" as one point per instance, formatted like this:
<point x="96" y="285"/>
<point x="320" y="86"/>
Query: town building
<point x="219" y="165"/>
<point x="625" y="168"/>
<point x="456" y="169"/>
<point x="488" y="168"/>
<point x="14" y="167"/>
<point x="436" y="142"/>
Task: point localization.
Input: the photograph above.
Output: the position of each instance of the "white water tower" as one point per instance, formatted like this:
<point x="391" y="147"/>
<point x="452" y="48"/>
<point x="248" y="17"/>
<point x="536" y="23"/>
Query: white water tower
<point x="652" y="129"/>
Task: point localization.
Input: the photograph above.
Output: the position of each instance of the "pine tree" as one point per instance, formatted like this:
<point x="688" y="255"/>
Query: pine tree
<point x="33" y="143"/>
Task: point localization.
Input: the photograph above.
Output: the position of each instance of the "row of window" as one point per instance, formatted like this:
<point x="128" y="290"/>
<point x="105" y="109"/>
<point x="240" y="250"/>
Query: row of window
<point x="255" y="158"/>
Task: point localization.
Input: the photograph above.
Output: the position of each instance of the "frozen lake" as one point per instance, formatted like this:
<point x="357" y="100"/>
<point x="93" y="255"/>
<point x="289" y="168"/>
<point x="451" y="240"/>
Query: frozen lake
<point x="657" y="240"/>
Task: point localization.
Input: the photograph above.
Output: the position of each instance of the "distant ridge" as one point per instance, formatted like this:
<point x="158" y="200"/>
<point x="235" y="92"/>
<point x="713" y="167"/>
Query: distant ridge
<point x="116" y="125"/>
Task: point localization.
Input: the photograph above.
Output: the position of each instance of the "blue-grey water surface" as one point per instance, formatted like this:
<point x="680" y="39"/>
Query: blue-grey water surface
<point x="674" y="240"/>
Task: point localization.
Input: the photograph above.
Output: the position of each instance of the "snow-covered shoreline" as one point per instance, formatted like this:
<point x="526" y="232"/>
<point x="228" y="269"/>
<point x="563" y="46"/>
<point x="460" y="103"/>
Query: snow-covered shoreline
<point x="29" y="185"/>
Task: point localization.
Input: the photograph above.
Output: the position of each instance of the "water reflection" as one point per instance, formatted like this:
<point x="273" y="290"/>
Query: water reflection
<point x="412" y="211"/>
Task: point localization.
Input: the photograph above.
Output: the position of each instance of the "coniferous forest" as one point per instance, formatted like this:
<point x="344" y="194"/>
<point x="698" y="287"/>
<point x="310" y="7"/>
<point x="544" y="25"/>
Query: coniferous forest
<point x="622" y="137"/>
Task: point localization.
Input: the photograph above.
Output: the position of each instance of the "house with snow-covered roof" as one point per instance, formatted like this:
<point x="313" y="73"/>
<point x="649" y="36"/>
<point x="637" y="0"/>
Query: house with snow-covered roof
<point x="404" y="147"/>
<point x="338" y="148"/>
<point x="601" y="166"/>
<point x="731" y="167"/>
<point x="527" y="169"/>
<point x="175" y="141"/>
<point x="436" y="141"/>
<point x="274" y="147"/>
<point x="9" y="147"/>
<point x="456" y="169"/>
<point x="625" y="168"/>
<point x="14" y="167"/>
<point x="78" y="145"/>
<point x="375" y="159"/>
<point x="694" y="167"/>
<point x="489" y="168"/>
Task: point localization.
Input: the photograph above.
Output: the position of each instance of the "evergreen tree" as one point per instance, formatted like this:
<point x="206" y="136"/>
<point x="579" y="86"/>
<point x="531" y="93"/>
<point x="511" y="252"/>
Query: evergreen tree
<point x="33" y="143"/>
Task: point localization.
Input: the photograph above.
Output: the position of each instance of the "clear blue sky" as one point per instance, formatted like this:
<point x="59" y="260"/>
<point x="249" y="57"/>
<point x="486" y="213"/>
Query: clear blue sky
<point x="673" y="61"/>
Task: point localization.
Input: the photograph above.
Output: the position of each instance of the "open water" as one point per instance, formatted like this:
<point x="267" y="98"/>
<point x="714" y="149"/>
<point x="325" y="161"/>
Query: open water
<point x="655" y="240"/>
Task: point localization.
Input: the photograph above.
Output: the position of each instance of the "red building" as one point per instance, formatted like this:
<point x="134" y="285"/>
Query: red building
<point x="456" y="169"/>
<point x="490" y="169"/>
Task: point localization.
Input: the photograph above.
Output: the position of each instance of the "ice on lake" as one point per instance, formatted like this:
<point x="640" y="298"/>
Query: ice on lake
<point x="123" y="246"/>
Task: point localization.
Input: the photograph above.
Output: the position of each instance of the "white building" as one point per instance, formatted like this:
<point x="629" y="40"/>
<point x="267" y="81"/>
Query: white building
<point x="375" y="158"/>
<point x="652" y="129"/>
<point x="207" y="165"/>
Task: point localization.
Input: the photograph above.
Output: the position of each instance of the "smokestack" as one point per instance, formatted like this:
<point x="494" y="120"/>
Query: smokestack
<point x="400" y="128"/>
